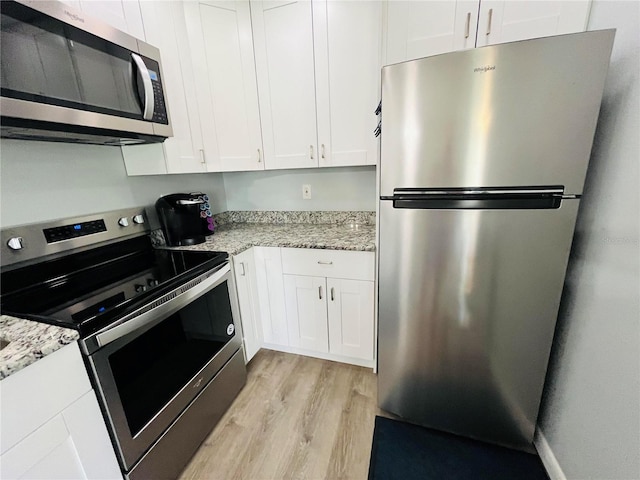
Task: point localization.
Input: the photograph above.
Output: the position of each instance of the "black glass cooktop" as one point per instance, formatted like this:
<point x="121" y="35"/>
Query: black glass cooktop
<point x="91" y="289"/>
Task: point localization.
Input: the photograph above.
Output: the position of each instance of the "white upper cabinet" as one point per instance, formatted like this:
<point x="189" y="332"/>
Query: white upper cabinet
<point x="225" y="76"/>
<point x="283" y="42"/>
<point x="347" y="44"/>
<point x="165" y="28"/>
<point x="513" y="20"/>
<point x="416" y="29"/>
<point x="122" y="14"/>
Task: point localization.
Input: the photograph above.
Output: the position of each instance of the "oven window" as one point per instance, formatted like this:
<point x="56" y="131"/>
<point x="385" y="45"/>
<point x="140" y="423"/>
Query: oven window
<point x="152" y="368"/>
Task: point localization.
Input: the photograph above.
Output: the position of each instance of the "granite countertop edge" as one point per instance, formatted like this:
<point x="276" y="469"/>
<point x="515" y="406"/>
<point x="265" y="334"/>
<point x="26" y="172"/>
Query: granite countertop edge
<point x="29" y="341"/>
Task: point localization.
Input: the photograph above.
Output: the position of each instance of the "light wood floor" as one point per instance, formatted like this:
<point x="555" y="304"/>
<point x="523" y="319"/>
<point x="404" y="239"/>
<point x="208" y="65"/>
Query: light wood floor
<point x="297" y="418"/>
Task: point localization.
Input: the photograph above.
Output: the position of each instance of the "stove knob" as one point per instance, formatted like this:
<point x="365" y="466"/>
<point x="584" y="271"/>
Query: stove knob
<point x="123" y="222"/>
<point x="15" y="243"/>
<point x="152" y="282"/>
<point x="138" y="219"/>
<point x="140" y="288"/>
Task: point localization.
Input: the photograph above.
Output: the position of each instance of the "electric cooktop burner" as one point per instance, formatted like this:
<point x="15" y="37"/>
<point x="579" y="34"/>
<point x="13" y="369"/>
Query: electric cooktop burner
<point x="91" y="289"/>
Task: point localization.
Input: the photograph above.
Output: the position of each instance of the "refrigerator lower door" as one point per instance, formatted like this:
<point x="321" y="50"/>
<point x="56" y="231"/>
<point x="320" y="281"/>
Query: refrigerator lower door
<point x="468" y="301"/>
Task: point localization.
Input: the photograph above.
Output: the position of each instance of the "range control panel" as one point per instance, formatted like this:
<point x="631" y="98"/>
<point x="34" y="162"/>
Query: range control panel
<point x="37" y="240"/>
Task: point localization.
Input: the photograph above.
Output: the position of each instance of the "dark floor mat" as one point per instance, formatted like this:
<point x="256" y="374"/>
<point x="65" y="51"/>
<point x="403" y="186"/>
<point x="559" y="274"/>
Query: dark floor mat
<point x="405" y="452"/>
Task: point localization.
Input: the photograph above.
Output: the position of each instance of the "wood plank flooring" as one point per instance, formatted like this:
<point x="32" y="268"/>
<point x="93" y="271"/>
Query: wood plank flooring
<point x="297" y="418"/>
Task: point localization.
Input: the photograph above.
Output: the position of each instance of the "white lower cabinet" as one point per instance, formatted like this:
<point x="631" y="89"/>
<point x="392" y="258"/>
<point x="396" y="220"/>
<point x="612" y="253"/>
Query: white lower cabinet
<point x="270" y="295"/>
<point x="350" y="316"/>
<point x="330" y="315"/>
<point x="52" y="427"/>
<point x="305" y="298"/>
<point x="245" y="276"/>
<point x="308" y="301"/>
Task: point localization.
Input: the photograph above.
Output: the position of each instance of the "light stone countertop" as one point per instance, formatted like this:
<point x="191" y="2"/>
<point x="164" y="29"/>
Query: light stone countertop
<point x="234" y="238"/>
<point x="29" y="341"/>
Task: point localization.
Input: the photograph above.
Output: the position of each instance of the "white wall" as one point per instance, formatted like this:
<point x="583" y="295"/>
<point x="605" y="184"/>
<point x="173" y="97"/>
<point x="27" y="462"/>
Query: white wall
<point x="591" y="409"/>
<point x="346" y="188"/>
<point x="43" y="181"/>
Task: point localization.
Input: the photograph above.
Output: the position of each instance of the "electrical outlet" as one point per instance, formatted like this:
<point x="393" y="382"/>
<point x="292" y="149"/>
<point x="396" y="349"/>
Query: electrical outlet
<point x="306" y="192"/>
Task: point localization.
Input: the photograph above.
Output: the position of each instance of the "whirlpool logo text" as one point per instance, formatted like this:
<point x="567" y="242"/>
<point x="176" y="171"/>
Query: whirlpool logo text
<point x="486" y="68"/>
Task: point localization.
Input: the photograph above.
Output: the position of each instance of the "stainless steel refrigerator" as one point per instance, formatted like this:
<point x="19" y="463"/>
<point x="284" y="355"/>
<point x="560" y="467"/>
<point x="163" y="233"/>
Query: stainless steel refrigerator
<point x="483" y="159"/>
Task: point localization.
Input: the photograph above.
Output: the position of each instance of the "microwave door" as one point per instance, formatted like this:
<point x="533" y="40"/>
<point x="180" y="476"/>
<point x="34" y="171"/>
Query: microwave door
<point x="46" y="61"/>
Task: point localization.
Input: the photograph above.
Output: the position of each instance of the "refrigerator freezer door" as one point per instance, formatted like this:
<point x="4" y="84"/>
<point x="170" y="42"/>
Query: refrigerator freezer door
<point x="518" y="114"/>
<point x="468" y="301"/>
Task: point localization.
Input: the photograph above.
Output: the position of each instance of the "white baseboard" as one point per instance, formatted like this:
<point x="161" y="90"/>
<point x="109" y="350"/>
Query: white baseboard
<point x="324" y="356"/>
<point x="547" y="456"/>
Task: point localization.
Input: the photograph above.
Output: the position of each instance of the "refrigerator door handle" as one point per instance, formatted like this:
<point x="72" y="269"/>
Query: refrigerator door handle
<point x="490" y="198"/>
<point x="547" y="190"/>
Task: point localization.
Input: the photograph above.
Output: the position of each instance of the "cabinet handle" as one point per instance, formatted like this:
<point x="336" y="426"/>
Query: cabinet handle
<point x="311" y="151"/>
<point x="333" y="294"/>
<point x="320" y="292"/>
<point x="322" y="151"/>
<point x="489" y="22"/>
<point x="321" y="262"/>
<point x="242" y="273"/>
<point x="203" y="160"/>
<point x="467" y="25"/>
<point x="259" y="156"/>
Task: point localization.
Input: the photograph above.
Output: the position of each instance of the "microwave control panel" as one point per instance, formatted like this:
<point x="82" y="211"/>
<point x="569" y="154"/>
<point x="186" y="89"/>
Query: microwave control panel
<point x="160" y="106"/>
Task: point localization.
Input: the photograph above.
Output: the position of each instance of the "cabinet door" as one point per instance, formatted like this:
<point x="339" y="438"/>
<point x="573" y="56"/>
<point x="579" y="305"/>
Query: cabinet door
<point x="307" y="312"/>
<point x="513" y="20"/>
<point x="91" y="439"/>
<point x="283" y="43"/>
<point x="416" y="29"/>
<point x="347" y="43"/>
<point x="351" y="317"/>
<point x="248" y="301"/>
<point x="122" y="14"/>
<point x="270" y="293"/>
<point x="221" y="43"/>
<point x="166" y="29"/>
<point x="47" y="453"/>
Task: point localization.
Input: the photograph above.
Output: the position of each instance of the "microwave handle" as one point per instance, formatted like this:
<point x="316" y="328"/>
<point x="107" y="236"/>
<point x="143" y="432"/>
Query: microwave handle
<point x="149" y="98"/>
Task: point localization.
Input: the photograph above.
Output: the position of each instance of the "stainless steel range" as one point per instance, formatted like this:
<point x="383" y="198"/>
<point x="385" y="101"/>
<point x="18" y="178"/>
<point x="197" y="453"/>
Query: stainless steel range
<point x="158" y="328"/>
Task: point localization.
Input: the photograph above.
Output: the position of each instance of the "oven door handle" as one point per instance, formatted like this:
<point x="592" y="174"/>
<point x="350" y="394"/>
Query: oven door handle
<point x="148" y="317"/>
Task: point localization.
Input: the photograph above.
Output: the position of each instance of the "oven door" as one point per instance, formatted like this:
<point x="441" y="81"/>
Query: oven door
<point x="153" y="365"/>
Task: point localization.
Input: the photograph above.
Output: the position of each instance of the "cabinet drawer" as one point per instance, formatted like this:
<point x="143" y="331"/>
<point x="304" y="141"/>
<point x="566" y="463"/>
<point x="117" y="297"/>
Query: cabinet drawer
<point x="329" y="263"/>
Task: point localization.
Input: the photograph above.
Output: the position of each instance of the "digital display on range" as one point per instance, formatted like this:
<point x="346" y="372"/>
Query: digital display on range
<point x="57" y="234"/>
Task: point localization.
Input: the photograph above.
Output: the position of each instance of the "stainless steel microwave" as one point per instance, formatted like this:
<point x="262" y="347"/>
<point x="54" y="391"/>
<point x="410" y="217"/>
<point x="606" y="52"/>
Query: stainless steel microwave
<point x="68" y="77"/>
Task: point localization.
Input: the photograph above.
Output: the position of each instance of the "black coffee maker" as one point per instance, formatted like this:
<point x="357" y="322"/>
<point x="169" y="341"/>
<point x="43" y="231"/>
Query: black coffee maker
<point x="185" y="218"/>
